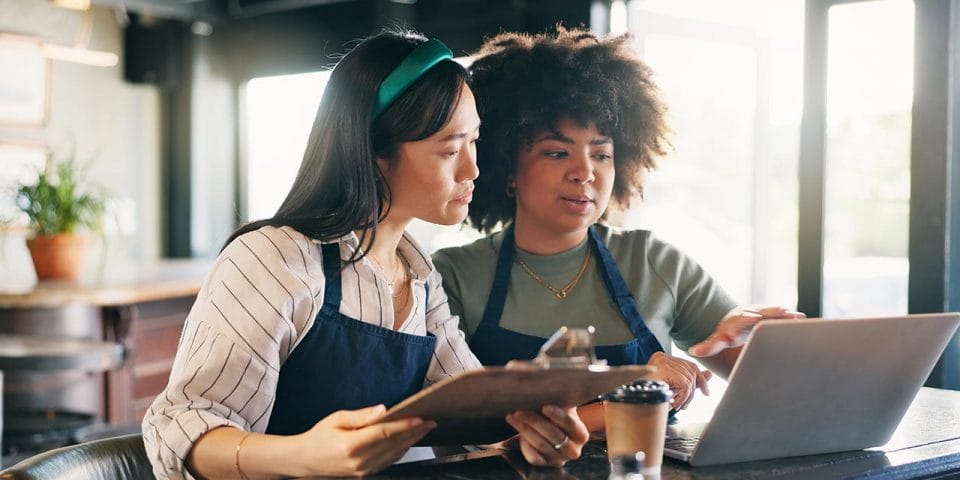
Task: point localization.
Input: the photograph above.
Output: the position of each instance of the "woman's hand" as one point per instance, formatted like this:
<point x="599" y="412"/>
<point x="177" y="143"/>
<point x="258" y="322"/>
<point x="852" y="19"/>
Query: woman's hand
<point x="683" y="376"/>
<point x="733" y="330"/>
<point x="351" y="443"/>
<point x="551" y="437"/>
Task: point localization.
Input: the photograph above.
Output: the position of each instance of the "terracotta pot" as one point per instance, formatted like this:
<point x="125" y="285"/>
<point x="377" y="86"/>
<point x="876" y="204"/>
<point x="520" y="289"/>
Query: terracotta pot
<point x="58" y="256"/>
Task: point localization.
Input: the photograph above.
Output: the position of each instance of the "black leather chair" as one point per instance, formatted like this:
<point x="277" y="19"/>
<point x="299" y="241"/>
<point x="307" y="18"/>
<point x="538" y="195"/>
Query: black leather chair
<point x="107" y="459"/>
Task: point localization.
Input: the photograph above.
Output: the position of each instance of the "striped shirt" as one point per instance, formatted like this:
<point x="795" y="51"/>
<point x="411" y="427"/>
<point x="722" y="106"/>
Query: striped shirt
<point x="254" y="307"/>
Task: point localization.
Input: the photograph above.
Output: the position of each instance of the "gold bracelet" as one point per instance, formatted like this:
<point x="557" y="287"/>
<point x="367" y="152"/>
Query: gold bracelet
<point x="240" y="444"/>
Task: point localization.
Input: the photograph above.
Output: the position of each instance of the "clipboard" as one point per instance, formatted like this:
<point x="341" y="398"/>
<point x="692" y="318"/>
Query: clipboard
<point x="470" y="408"/>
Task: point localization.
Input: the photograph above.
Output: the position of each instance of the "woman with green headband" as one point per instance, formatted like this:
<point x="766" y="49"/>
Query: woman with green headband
<point x="313" y="320"/>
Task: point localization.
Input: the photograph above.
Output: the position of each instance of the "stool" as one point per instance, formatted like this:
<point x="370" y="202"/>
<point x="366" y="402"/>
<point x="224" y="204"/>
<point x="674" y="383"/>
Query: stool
<point x="26" y="430"/>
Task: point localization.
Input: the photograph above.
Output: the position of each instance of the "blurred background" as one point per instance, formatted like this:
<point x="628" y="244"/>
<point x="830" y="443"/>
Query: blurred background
<point x="194" y="115"/>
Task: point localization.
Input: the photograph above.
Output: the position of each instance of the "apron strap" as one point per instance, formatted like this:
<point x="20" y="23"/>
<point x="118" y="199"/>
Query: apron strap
<point x="617" y="288"/>
<point x="331" y="271"/>
<point x="501" y="282"/>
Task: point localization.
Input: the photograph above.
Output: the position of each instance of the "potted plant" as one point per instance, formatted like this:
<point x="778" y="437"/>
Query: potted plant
<point x="60" y="213"/>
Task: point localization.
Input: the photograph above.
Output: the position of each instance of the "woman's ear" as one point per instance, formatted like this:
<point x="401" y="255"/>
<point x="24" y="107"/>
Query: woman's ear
<point x="511" y="187"/>
<point x="384" y="168"/>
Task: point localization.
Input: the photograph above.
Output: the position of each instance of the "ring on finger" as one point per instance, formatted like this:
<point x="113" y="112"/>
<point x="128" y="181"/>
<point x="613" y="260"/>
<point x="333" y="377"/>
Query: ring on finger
<point x="563" y="442"/>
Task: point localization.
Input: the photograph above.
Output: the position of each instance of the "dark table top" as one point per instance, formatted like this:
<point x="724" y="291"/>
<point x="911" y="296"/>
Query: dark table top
<point x="927" y="445"/>
<point x="42" y="353"/>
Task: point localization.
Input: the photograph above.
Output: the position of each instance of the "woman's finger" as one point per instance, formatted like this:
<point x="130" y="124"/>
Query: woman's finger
<point x="718" y="341"/>
<point x="350" y="419"/>
<point x="679" y="383"/>
<point x="378" y="455"/>
<point x="381" y="432"/>
<point x="690" y="368"/>
<point x="704" y="376"/>
<point x="569" y="421"/>
<point x="731" y="332"/>
<point x="698" y="380"/>
<point x="531" y="454"/>
<point x="538" y="430"/>
<point x="780" y="312"/>
<point x="551" y="443"/>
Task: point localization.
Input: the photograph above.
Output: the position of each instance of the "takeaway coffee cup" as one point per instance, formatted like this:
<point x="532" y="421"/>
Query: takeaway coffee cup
<point x="636" y="417"/>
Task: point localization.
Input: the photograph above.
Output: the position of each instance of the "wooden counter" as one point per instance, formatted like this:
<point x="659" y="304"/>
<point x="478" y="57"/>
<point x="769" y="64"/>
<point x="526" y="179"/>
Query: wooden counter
<point x="139" y="307"/>
<point x="122" y="286"/>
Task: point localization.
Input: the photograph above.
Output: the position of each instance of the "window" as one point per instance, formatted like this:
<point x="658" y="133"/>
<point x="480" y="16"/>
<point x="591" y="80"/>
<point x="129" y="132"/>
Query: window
<point x="277" y="118"/>
<point x="727" y="194"/>
<point x="730" y="73"/>
<point x="867" y="159"/>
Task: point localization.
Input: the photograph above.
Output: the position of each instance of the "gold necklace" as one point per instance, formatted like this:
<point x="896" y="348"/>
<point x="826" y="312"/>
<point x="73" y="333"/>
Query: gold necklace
<point x="404" y="269"/>
<point x="561" y="293"/>
<point x="405" y="281"/>
<point x="406" y="300"/>
<point x="404" y="287"/>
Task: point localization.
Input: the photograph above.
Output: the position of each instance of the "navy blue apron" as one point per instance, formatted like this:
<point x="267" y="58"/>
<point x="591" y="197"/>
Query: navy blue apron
<point x="495" y="345"/>
<point x="345" y="364"/>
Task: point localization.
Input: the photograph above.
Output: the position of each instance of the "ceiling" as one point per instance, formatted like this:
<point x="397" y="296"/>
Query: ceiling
<point x="213" y="11"/>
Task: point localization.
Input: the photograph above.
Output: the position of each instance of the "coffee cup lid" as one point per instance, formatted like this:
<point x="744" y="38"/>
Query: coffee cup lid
<point x="641" y="391"/>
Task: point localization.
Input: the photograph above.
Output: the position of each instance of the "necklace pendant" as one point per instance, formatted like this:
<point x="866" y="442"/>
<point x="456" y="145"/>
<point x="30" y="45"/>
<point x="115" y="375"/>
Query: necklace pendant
<point x="561" y="294"/>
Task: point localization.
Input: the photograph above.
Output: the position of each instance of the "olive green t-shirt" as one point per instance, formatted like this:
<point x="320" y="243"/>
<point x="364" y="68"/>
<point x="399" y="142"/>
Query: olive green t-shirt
<point x="677" y="299"/>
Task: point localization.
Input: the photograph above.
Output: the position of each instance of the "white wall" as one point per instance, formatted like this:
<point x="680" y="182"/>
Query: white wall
<point x="97" y="115"/>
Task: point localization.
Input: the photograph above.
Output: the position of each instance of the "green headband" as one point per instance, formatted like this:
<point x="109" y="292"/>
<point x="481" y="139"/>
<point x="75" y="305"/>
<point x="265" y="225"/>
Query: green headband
<point x="418" y="62"/>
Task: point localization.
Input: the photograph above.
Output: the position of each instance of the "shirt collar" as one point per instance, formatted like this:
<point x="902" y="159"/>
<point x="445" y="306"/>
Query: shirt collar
<point x="419" y="260"/>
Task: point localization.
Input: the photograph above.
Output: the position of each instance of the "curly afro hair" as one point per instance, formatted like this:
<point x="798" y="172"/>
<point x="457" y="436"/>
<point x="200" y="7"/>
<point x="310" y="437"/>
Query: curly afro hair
<point x="525" y="84"/>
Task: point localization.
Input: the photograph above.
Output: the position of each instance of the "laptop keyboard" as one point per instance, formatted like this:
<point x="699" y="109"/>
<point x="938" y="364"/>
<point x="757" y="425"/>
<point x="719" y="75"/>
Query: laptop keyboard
<point x="681" y="444"/>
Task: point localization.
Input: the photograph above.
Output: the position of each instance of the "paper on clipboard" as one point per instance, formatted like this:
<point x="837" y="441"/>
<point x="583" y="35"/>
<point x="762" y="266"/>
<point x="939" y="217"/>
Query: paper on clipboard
<point x="470" y="408"/>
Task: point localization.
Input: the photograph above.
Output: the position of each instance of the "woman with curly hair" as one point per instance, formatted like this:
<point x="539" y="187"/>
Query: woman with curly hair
<point x="570" y="122"/>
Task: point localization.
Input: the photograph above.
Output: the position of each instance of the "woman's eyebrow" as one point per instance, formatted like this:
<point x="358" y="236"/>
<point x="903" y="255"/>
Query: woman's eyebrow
<point x="459" y="135"/>
<point x="564" y="139"/>
<point x="555" y="136"/>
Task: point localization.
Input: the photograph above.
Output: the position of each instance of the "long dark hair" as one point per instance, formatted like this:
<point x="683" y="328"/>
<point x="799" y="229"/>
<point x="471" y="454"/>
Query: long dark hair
<point x="339" y="188"/>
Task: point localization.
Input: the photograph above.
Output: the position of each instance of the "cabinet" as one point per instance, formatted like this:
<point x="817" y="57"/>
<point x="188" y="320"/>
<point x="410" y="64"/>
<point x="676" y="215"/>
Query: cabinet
<point x="143" y="309"/>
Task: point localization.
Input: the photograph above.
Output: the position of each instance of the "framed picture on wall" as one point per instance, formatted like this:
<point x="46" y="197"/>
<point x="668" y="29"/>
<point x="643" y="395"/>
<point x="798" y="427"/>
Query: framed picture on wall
<point x="25" y="83"/>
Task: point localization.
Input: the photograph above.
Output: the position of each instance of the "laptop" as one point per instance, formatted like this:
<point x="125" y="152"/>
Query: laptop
<point x="803" y="387"/>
